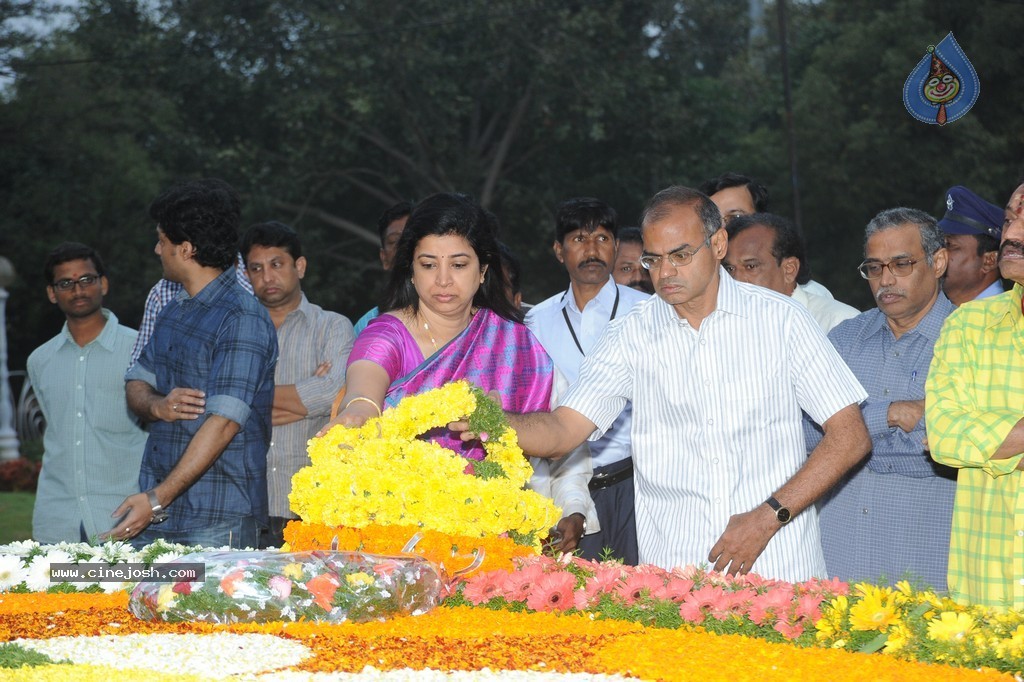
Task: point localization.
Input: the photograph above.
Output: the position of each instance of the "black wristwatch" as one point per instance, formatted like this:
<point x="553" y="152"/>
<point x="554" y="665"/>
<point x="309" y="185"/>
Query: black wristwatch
<point x="781" y="513"/>
<point x="159" y="513"/>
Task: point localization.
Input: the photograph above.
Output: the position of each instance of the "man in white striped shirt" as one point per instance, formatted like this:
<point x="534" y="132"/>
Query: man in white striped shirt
<point x="718" y="372"/>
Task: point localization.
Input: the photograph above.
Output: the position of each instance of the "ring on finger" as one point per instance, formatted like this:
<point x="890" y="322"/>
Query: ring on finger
<point x="174" y="407"/>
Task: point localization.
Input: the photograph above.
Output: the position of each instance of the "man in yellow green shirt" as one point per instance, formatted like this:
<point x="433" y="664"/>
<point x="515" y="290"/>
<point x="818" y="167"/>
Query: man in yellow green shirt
<point x="975" y="422"/>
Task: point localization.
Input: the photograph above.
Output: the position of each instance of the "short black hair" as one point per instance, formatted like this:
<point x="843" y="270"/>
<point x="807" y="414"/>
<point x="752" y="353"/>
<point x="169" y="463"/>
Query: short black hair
<point x="206" y="213"/>
<point x="788" y="242"/>
<point x="758" y="192"/>
<point x="631" y="235"/>
<point x="393" y="213"/>
<point x="986" y="243"/>
<point x="584" y="213"/>
<point x="271" y="234"/>
<point x="69" y="251"/>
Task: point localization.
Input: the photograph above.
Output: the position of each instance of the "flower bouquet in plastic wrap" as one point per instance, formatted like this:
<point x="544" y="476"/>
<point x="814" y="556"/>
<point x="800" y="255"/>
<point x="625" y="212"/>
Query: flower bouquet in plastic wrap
<point x="260" y="587"/>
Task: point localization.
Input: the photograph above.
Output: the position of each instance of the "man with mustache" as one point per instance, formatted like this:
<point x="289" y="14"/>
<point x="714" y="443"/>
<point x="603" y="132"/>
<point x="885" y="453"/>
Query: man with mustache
<point x="974" y="415"/>
<point x="718" y="372"/>
<point x="569" y="325"/>
<point x="889" y="518"/>
<point x="972" y="227"/>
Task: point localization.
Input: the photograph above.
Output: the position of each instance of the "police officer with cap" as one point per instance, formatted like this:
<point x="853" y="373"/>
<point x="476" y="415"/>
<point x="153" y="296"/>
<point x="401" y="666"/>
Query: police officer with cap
<point x="973" y="229"/>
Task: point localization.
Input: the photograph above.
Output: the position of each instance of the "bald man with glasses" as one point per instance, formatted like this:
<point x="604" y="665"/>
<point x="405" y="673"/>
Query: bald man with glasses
<point x="718" y="372"/>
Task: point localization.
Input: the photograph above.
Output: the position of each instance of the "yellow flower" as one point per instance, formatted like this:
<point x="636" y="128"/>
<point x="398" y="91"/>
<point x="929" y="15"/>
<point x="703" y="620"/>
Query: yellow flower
<point x="293" y="571"/>
<point x="899" y="637"/>
<point x="166" y="597"/>
<point x="877" y="609"/>
<point x="950" y="626"/>
<point x="358" y="579"/>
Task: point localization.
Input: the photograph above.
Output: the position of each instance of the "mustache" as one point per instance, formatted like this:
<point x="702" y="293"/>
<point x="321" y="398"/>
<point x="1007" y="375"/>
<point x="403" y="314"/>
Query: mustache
<point x="1011" y="245"/>
<point x="884" y="291"/>
<point x="598" y="261"/>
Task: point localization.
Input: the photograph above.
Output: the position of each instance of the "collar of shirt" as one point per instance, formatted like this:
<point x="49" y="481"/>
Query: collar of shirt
<point x="928" y="327"/>
<point x="731" y="299"/>
<point x="107" y="338"/>
<point x="209" y="294"/>
<point x="602" y="302"/>
<point x="303" y="313"/>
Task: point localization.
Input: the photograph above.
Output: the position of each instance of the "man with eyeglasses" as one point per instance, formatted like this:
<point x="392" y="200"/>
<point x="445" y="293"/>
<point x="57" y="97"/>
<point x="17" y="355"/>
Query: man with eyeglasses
<point x="93" y="444"/>
<point x="766" y="249"/>
<point x="569" y="325"/>
<point x="718" y="372"/>
<point x="889" y="518"/>
<point x="975" y="424"/>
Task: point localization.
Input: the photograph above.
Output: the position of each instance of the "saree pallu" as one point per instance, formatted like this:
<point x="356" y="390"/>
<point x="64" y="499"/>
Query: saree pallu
<point x="492" y="353"/>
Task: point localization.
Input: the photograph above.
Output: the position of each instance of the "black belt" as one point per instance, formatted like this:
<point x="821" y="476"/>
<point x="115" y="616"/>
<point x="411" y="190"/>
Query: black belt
<point x="602" y="481"/>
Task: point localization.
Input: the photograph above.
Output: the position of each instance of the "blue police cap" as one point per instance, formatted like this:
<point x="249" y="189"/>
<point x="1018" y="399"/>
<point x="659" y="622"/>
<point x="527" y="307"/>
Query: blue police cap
<point x="967" y="213"/>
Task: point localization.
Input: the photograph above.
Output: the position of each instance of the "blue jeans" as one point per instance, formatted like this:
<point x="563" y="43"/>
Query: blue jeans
<point x="237" y="532"/>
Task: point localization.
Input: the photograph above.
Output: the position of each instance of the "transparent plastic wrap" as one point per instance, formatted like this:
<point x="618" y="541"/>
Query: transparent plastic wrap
<point x="326" y="586"/>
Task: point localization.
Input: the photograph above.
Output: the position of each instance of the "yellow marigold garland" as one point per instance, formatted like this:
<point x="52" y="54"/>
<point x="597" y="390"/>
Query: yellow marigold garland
<point x="382" y="474"/>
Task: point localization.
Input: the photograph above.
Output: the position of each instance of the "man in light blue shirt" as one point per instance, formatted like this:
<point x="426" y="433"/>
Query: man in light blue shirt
<point x="92" y="444"/>
<point x="569" y="325"/>
<point x="889" y="518"/>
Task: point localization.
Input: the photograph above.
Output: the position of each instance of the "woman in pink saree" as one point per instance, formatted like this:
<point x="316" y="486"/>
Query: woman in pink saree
<point x="448" y="318"/>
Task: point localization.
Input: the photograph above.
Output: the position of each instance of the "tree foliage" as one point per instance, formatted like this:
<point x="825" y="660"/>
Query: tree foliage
<point x="323" y="114"/>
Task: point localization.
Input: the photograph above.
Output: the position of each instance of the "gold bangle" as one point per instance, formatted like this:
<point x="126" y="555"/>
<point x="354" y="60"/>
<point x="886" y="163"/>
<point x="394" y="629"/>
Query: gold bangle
<point x="365" y="400"/>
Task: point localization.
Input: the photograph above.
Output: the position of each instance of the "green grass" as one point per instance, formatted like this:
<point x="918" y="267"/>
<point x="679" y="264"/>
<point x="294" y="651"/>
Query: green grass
<point x="16" y="511"/>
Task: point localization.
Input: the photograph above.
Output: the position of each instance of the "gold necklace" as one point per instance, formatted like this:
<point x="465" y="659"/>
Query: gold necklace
<point x="432" y="341"/>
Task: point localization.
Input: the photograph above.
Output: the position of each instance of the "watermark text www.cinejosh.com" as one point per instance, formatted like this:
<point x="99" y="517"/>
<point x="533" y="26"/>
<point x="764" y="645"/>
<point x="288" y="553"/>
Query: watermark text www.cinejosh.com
<point x="133" y="573"/>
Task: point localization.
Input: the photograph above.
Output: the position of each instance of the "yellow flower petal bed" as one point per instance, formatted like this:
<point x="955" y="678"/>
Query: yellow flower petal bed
<point x="77" y="673"/>
<point x="453" y="552"/>
<point x="477" y="639"/>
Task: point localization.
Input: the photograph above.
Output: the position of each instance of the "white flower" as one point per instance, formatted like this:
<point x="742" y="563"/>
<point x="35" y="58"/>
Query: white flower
<point x="38" y="578"/>
<point x="19" y="547"/>
<point x="167" y="558"/>
<point x="12" y="571"/>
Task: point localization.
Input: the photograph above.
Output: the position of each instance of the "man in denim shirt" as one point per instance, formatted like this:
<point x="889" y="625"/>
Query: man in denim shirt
<point x="205" y="381"/>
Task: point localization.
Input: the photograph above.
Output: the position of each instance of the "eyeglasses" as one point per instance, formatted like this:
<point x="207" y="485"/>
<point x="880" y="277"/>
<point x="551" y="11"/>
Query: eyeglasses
<point x="85" y="281"/>
<point x="900" y="268"/>
<point x="676" y="259"/>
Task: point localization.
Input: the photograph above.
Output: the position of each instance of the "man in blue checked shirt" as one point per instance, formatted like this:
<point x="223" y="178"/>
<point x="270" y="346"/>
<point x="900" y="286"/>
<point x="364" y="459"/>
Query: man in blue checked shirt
<point x="205" y="381"/>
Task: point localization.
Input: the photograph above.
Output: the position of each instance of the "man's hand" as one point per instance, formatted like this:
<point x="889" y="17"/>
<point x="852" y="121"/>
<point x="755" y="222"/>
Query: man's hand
<point x="571" y="530"/>
<point x="139" y="514"/>
<point x="905" y="414"/>
<point x="322" y="369"/>
<point x="180" y="403"/>
<point x="744" y="539"/>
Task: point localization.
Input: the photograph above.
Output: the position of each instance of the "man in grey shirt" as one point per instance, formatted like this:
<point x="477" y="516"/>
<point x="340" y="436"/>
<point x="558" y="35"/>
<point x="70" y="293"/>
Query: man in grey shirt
<point x="313" y="347"/>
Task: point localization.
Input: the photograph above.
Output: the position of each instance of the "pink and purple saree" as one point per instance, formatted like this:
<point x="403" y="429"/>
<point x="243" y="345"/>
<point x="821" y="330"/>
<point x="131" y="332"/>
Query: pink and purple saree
<point x="492" y="353"/>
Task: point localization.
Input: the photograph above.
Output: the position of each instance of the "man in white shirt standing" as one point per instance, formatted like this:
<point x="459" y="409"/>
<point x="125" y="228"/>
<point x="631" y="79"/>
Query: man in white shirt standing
<point x="718" y="372"/>
<point x="765" y="249"/>
<point x="569" y="325"/>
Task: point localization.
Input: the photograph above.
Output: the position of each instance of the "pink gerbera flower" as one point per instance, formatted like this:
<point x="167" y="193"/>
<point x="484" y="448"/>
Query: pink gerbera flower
<point x="675" y="589"/>
<point x="552" y="592"/>
<point x="480" y="589"/>
<point x="518" y="584"/>
<point x="637" y="584"/>
<point x="789" y="630"/>
<point x="808" y="606"/>
<point x="698" y="603"/>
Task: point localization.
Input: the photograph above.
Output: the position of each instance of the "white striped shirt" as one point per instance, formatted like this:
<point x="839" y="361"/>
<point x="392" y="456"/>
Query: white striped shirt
<point x="717" y="418"/>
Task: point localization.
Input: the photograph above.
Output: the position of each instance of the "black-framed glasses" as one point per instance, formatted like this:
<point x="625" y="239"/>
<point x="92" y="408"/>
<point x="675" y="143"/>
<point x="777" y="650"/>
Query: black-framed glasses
<point x="900" y="267"/>
<point x="85" y="281"/>
<point x="676" y="259"/>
